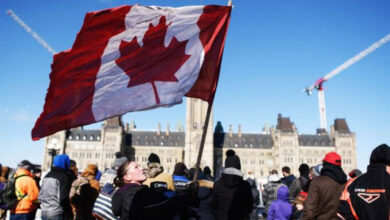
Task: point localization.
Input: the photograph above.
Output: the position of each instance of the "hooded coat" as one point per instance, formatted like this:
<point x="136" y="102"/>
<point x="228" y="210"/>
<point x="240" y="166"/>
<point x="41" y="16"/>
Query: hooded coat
<point x="54" y="194"/>
<point x="232" y="196"/>
<point x="280" y="209"/>
<point x="324" y="193"/>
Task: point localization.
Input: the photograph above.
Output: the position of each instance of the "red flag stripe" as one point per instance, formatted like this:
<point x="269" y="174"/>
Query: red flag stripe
<point x="72" y="80"/>
<point x="213" y="40"/>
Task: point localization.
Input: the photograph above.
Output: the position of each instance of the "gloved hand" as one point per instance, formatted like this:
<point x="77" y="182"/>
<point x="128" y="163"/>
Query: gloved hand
<point x="192" y="192"/>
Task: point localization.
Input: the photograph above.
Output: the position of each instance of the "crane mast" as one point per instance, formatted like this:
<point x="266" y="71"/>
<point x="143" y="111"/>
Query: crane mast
<point x="319" y="83"/>
<point x="31" y="32"/>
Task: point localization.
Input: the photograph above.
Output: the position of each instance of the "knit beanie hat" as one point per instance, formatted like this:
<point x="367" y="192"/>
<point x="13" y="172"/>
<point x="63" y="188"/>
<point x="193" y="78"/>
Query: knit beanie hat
<point x="62" y="161"/>
<point x="233" y="161"/>
<point x="230" y="152"/>
<point x="119" y="160"/>
<point x="381" y="155"/>
<point x="304" y="169"/>
<point x="333" y="158"/>
<point x="153" y="158"/>
<point x="90" y="170"/>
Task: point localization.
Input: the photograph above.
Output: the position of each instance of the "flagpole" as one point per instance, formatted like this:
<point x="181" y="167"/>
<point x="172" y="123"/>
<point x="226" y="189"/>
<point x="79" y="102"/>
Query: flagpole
<point x="205" y="126"/>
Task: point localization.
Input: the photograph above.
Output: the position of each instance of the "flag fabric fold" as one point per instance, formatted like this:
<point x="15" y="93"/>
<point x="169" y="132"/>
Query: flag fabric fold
<point x="133" y="58"/>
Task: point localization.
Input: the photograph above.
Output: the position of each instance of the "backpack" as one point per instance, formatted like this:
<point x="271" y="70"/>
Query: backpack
<point x="77" y="189"/>
<point x="102" y="208"/>
<point x="8" y="198"/>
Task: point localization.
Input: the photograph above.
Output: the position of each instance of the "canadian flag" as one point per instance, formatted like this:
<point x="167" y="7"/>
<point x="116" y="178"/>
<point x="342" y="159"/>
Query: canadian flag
<point x="133" y="58"/>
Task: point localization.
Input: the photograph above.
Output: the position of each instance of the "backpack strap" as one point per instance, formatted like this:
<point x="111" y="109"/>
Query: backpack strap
<point x="16" y="191"/>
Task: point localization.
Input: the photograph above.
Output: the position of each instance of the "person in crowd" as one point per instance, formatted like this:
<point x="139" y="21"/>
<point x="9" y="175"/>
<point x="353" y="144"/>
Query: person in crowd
<point x="54" y="194"/>
<point x="315" y="171"/>
<point x="180" y="177"/>
<point x="354" y="173"/>
<point x="325" y="191"/>
<point x="206" y="202"/>
<point x="3" y="212"/>
<point x="280" y="209"/>
<point x="103" y="208"/>
<point x="288" y="178"/>
<point x="73" y="171"/>
<point x="157" y="179"/>
<point x="269" y="192"/>
<point x="204" y="209"/>
<point x="256" y="198"/>
<point x="207" y="173"/>
<point x="301" y="183"/>
<point x="232" y="195"/>
<point x="83" y="193"/>
<point x="218" y="174"/>
<point x="26" y="191"/>
<point x="273" y="172"/>
<point x="297" y="208"/>
<point x="109" y="175"/>
<point x="37" y="173"/>
<point x="368" y="196"/>
<point x="134" y="201"/>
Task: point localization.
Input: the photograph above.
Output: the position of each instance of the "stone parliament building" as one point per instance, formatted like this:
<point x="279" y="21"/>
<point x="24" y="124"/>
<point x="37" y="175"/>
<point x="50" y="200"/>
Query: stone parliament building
<point x="273" y="148"/>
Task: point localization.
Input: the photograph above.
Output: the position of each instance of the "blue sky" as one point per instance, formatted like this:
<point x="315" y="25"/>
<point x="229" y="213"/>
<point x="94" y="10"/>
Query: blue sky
<point x="273" y="50"/>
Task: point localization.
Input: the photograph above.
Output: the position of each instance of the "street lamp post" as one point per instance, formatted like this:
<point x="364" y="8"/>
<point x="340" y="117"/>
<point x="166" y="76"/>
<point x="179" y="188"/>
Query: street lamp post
<point x="53" y="149"/>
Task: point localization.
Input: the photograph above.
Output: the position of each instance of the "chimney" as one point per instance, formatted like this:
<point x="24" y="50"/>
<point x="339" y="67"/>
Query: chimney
<point x="239" y="131"/>
<point x="230" y="131"/>
<point x="158" y="129"/>
<point x="167" y="131"/>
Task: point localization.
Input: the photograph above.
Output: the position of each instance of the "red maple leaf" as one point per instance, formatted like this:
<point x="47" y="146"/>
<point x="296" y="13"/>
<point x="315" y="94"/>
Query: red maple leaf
<point x="153" y="61"/>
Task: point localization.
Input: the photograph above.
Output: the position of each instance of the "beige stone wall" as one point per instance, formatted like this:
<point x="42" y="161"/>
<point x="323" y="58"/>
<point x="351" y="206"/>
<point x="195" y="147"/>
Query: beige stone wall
<point x="84" y="153"/>
<point x="312" y="155"/>
<point x="346" y="147"/>
<point x="256" y="161"/>
<point x="288" y="151"/>
<point x="195" y="118"/>
<point x="169" y="156"/>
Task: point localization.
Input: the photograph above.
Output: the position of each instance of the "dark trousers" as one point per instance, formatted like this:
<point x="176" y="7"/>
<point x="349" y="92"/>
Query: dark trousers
<point x="25" y="216"/>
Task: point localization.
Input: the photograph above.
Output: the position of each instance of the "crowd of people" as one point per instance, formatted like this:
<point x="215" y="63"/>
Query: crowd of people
<point x="128" y="191"/>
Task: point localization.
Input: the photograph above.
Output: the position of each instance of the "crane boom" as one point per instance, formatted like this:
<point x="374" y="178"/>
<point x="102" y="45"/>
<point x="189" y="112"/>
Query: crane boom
<point x="30" y="31"/>
<point x="318" y="84"/>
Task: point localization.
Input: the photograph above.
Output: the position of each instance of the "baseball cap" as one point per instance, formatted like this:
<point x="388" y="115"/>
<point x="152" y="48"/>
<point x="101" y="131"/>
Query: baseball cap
<point x="333" y="158"/>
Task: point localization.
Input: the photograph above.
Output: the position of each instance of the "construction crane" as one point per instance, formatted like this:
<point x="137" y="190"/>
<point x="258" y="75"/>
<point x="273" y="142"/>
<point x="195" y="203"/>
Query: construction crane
<point x="31" y="32"/>
<point x="319" y="83"/>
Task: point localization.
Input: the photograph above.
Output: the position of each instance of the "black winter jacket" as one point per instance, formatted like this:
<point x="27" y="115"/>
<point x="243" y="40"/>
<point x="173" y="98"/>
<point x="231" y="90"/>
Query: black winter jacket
<point x="369" y="195"/>
<point x="54" y="194"/>
<point x="232" y="196"/>
<point x="137" y="202"/>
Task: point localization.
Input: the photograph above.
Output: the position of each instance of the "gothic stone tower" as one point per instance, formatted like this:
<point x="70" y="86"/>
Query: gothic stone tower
<point x="195" y="117"/>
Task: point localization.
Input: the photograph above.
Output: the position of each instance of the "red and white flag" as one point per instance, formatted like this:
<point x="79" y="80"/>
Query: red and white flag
<point x="134" y="58"/>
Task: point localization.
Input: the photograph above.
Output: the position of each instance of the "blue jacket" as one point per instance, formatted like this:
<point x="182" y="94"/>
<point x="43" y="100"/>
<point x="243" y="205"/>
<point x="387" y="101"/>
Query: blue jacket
<point x="280" y="209"/>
